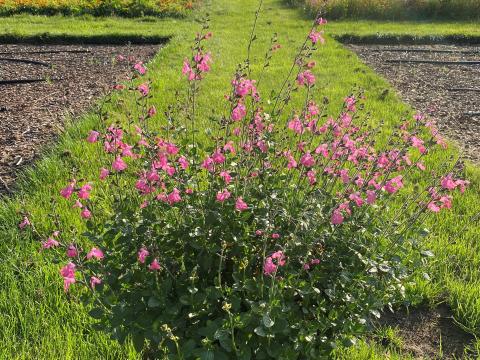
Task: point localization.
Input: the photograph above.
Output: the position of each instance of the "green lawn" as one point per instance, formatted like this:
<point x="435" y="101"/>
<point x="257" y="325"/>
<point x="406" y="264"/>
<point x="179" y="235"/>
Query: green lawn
<point x="38" y="321"/>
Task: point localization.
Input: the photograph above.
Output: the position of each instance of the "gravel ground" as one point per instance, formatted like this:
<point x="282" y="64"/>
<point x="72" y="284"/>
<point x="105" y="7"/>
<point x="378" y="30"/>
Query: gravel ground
<point x="449" y="93"/>
<point x="32" y="114"/>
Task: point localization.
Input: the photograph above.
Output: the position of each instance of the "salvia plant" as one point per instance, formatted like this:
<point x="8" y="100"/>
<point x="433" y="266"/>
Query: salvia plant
<point x="269" y="238"/>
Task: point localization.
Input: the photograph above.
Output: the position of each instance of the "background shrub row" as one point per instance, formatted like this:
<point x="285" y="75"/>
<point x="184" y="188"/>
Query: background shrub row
<point x="395" y="9"/>
<point x="125" y="8"/>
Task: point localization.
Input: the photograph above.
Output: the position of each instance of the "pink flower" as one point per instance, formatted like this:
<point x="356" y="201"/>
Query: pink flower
<point x="337" y="217"/>
<point x="84" y="192"/>
<point x="307" y="160"/>
<point x="280" y="257"/>
<point x="275" y="236"/>
<point x="356" y="198"/>
<point x="344" y="176"/>
<point x="226" y="177"/>
<point x="171" y="149"/>
<point x="258" y="232"/>
<point x="446" y="202"/>
<point x="155" y="265"/>
<point x="311" y="175"/>
<point x="462" y="184"/>
<point x="306" y="77"/>
<point x="104" y="173"/>
<point x="94" y="281"/>
<point x="182" y="160"/>
<point x="421" y="166"/>
<point x="119" y="164"/>
<point x="140" y="68"/>
<point x="371" y="197"/>
<point x="433" y="207"/>
<point x="244" y="87"/>
<point x="93" y="136"/>
<point x="296" y="125"/>
<point x="218" y="157"/>
<point x="418" y="143"/>
<point x="142" y="255"/>
<point x="321" y="21"/>
<point x="229" y="147"/>
<point x="208" y="164"/>
<point x="68" y="274"/>
<point x="85" y="213"/>
<point x="448" y="183"/>
<point x="143" y="88"/>
<point x="262" y="145"/>
<point x="67" y="191"/>
<point x="203" y="61"/>
<point x="174" y="197"/>
<point x="95" y="253"/>
<point x="72" y="251"/>
<point x="239" y="112"/>
<point x="269" y="267"/>
<point x="322" y="150"/>
<point x="306" y="266"/>
<point x="188" y="71"/>
<point x="393" y="185"/>
<point x="50" y="243"/>
<point x="151" y="111"/>
<point x="223" y="195"/>
<point x="77" y="204"/>
<point x="316" y="36"/>
<point x="241" y="205"/>
<point x="24" y="223"/>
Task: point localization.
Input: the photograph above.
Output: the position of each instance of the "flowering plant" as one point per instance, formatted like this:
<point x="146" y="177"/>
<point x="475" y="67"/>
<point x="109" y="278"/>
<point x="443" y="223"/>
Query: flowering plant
<point x="267" y="240"/>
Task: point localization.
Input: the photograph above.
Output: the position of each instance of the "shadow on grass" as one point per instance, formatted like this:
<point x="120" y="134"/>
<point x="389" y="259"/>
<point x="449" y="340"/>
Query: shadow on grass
<point x="386" y="39"/>
<point x="65" y="39"/>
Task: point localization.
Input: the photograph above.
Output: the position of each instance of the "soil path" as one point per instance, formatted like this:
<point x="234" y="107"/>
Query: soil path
<point x="41" y="85"/>
<point x="440" y="80"/>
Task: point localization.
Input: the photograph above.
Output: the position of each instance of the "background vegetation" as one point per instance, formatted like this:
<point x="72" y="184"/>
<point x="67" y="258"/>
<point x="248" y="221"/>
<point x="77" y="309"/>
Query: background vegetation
<point x="394" y="9"/>
<point x="127" y="8"/>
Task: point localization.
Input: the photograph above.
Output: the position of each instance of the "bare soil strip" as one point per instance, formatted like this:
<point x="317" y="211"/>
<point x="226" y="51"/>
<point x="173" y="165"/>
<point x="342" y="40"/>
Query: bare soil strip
<point x="34" y="98"/>
<point x="429" y="333"/>
<point x="439" y="80"/>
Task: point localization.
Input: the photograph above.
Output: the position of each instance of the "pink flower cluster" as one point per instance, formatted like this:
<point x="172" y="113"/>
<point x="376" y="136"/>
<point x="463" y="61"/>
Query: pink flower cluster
<point x="273" y="262"/>
<point x="199" y="64"/>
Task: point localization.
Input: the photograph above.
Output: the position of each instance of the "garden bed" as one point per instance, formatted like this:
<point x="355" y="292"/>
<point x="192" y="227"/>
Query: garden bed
<point x="427" y="333"/>
<point x="439" y="80"/>
<point x="41" y="85"/>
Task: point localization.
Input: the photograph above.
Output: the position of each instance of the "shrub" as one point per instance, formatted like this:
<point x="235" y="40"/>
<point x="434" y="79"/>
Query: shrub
<point x="266" y="240"/>
<point x="394" y="9"/>
<point x="126" y="8"/>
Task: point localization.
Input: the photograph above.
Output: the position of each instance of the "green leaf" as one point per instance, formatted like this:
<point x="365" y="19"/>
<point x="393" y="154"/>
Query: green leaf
<point x="138" y="341"/>
<point x="260" y="331"/>
<point x="153" y="302"/>
<point x="207" y="355"/>
<point x="427" y="253"/>
<point x="267" y="321"/>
